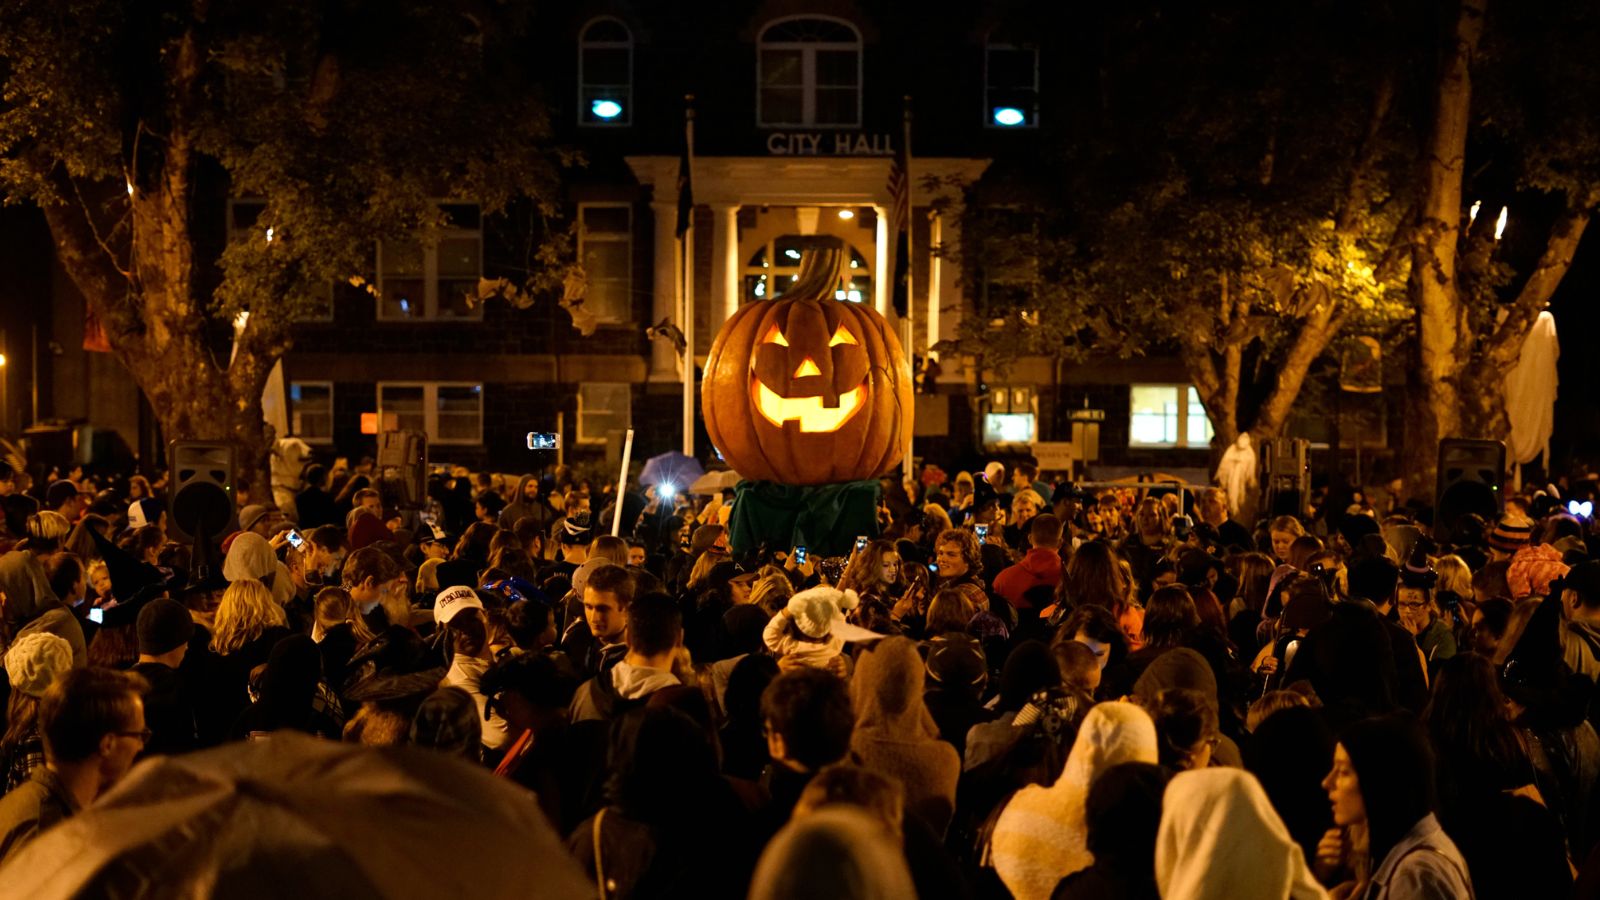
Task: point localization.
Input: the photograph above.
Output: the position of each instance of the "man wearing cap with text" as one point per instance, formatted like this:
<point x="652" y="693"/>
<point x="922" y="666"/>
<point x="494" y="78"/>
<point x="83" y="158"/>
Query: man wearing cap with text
<point x="459" y="613"/>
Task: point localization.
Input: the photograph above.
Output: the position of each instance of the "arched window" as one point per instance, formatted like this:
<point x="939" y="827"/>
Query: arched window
<point x="809" y="73"/>
<point x="605" y="73"/>
<point x="773" y="267"/>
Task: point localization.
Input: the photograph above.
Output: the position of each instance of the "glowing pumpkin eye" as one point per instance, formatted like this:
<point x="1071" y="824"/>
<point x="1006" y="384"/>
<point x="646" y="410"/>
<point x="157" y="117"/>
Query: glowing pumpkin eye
<point x="774" y="336"/>
<point x="841" y="336"/>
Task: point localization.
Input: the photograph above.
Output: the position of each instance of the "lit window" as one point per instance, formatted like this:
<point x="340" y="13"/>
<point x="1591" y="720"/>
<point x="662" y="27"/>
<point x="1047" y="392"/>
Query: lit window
<point x="605" y="73"/>
<point x="1011" y="86"/>
<point x="1167" y="415"/>
<point x="311" y="411"/>
<point x="448" y="413"/>
<point x="419" y="280"/>
<point x="605" y="245"/>
<point x="776" y="264"/>
<point x="602" y="410"/>
<point x="809" y="73"/>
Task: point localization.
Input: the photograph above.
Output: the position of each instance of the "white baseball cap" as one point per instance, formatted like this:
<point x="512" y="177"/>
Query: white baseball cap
<point x="453" y="600"/>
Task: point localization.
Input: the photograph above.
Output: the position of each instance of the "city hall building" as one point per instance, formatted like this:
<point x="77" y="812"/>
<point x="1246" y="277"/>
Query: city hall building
<point x="800" y="111"/>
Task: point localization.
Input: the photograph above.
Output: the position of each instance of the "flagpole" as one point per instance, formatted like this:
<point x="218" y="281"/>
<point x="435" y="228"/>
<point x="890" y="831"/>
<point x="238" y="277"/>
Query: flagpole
<point x="686" y="248"/>
<point x="906" y="325"/>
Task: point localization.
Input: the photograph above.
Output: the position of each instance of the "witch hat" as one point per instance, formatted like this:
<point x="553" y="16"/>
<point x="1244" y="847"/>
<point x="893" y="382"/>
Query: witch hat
<point x="128" y="575"/>
<point x="1419" y="571"/>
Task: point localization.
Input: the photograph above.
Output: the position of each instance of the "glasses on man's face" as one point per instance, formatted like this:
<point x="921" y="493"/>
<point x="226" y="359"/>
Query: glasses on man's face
<point x="143" y="735"/>
<point x="1413" y="605"/>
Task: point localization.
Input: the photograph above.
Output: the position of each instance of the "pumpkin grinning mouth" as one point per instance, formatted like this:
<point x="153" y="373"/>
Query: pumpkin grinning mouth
<point x="809" y="411"/>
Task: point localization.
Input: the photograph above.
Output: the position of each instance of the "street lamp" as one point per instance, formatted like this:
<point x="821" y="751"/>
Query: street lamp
<point x="5" y="406"/>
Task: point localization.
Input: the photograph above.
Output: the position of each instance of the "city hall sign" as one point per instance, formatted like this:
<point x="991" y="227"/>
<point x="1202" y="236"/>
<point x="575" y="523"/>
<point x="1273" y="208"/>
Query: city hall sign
<point x="816" y="143"/>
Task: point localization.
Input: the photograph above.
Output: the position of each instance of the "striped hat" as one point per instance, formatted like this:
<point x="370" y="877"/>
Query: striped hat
<point x="1510" y="533"/>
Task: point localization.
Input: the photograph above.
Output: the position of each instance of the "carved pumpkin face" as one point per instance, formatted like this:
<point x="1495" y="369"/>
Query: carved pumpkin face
<point x="807" y="391"/>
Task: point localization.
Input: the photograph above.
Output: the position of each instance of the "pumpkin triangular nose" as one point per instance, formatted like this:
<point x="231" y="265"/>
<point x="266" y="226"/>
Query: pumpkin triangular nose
<point x="807" y="368"/>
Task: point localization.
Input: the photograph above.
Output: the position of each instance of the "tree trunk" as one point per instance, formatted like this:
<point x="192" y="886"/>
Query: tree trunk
<point x="1443" y="332"/>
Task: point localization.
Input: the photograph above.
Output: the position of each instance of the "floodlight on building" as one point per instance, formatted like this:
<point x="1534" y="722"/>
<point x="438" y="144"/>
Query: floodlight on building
<point x="606" y="109"/>
<point x="1009" y="116"/>
<point x="847" y="214"/>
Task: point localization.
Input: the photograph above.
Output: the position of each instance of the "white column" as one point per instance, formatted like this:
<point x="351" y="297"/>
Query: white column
<point x="725" y="263"/>
<point x="935" y="280"/>
<point x="947" y="317"/>
<point x="881" y="273"/>
<point x="664" y="289"/>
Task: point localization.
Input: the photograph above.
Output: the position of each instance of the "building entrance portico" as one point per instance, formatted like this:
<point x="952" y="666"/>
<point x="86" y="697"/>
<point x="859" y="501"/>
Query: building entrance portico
<point x="759" y="205"/>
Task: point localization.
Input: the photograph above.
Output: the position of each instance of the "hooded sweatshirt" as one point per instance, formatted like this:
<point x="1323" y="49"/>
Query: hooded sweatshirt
<point x="896" y="736"/>
<point x="598" y="698"/>
<point x="1040" y="567"/>
<point x="1220" y="839"/>
<point x="251" y="556"/>
<point x="1041" y="836"/>
<point x="539" y="510"/>
<point x="32" y="606"/>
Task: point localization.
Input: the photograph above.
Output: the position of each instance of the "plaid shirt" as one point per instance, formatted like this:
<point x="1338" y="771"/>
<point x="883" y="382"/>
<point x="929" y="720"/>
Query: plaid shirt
<point x="23" y="759"/>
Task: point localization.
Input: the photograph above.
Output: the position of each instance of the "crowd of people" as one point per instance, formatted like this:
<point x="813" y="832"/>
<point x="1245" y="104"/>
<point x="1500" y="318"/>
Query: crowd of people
<point x="1015" y="688"/>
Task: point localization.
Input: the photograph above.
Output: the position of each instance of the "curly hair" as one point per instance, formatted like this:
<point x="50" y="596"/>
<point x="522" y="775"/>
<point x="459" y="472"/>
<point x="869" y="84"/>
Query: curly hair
<point x="971" y="552"/>
<point x="247" y="610"/>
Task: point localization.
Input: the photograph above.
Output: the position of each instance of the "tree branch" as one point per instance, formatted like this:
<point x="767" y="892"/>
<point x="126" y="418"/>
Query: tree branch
<point x="1505" y="345"/>
<point x="1355" y="193"/>
<point x="1311" y="337"/>
<point x="102" y="283"/>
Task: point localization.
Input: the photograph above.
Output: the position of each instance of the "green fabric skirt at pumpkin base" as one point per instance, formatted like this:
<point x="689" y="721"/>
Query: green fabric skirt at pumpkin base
<point x="823" y="518"/>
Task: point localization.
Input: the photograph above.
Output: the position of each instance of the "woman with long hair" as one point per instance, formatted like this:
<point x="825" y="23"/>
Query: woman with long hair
<point x="33" y="663"/>
<point x="247" y="624"/>
<point x="1283" y="530"/>
<point x="1382" y="793"/>
<point x="1253" y="572"/>
<point x="1513" y="844"/>
<point x="1093" y="578"/>
<point x="874" y="573"/>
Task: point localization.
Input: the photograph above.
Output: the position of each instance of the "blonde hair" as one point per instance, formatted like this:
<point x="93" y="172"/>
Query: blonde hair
<point x="941" y="519"/>
<point x="334" y="607"/>
<point x="703" y="566"/>
<point x="772" y="589"/>
<point x="1454" y="575"/>
<point x="427" y="576"/>
<point x="247" y="610"/>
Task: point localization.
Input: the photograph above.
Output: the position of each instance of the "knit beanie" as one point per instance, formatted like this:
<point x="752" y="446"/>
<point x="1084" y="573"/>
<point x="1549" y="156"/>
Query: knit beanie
<point x="1510" y="533"/>
<point x="1532" y="570"/>
<point x="819" y="612"/>
<point x="36" y="660"/>
<point x="164" y="626"/>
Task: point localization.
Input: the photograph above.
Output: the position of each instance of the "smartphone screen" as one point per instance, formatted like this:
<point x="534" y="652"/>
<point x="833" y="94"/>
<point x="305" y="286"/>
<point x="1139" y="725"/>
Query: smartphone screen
<point x="799" y="554"/>
<point x="543" y="440"/>
<point x="982" y="531"/>
<point x="861" y="542"/>
<point x="97" y="616"/>
<point x="295" y="540"/>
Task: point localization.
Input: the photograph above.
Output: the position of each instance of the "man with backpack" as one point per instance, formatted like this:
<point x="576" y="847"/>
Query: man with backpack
<point x="654" y="633"/>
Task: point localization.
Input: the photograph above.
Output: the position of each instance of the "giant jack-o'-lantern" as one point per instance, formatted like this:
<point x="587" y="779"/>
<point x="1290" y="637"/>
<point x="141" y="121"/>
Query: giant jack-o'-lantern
<point x="806" y="389"/>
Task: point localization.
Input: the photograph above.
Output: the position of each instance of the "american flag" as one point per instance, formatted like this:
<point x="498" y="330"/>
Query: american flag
<point x="899" y="187"/>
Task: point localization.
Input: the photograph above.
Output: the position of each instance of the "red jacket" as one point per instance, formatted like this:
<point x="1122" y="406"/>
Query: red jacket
<point x="1040" y="567"/>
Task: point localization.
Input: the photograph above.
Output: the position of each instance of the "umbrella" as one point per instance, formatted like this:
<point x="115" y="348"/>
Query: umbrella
<point x="671" y="467"/>
<point x="714" y="482"/>
<point x="293" y="816"/>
